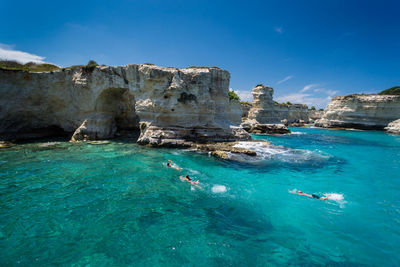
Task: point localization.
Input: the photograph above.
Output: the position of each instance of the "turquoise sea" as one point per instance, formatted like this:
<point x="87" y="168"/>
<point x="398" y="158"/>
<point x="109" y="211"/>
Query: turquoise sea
<point x="117" y="204"/>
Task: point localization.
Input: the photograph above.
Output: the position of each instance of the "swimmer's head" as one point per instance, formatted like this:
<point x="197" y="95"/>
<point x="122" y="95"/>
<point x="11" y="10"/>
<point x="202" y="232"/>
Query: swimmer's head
<point x="169" y="164"/>
<point x="299" y="191"/>
<point x="187" y="177"/>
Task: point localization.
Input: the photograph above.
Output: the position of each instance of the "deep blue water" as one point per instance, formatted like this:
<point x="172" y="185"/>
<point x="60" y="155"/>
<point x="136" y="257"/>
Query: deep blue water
<point x="118" y="205"/>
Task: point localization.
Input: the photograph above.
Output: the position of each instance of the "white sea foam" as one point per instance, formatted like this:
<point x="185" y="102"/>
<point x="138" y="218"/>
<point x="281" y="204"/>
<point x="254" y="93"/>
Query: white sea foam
<point x="335" y="196"/>
<point x="48" y="144"/>
<point x="218" y="189"/>
<point x="280" y="153"/>
<point x="298" y="133"/>
<point x="193" y="172"/>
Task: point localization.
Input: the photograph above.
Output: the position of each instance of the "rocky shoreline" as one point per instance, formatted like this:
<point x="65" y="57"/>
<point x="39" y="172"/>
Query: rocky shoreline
<point x="166" y="106"/>
<point x="365" y="112"/>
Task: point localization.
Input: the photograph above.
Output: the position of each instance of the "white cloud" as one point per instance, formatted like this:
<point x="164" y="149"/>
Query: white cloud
<point x="328" y="92"/>
<point x="308" y="87"/>
<point x="8" y="53"/>
<point x="244" y="95"/>
<point x="278" y="30"/>
<point x="287" y="78"/>
<point x="308" y="99"/>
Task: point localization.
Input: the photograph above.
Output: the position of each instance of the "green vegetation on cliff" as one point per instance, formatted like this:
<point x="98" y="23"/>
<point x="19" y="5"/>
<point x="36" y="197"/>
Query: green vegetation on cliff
<point x="391" y="91"/>
<point x="233" y="96"/>
<point x="30" y="66"/>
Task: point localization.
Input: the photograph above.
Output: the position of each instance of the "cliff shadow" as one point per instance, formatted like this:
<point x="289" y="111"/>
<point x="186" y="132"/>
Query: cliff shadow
<point x="120" y="104"/>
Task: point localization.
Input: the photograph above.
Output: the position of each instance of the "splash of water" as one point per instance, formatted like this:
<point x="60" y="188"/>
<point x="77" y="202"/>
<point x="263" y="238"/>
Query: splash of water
<point x="218" y="189"/>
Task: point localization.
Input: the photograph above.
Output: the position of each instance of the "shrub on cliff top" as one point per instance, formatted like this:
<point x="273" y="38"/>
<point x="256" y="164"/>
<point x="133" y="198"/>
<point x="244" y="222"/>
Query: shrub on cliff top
<point x="30" y="66"/>
<point x="391" y="91"/>
<point x="233" y="96"/>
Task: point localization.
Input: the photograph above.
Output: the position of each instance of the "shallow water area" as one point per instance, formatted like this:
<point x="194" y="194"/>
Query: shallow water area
<point x="117" y="204"/>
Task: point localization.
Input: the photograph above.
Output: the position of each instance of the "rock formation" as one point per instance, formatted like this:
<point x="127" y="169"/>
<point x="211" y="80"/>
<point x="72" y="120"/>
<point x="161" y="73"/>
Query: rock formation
<point x="252" y="126"/>
<point x="268" y="116"/>
<point x="393" y="127"/>
<point x="234" y="111"/>
<point x="169" y="106"/>
<point x="265" y="110"/>
<point x="314" y="115"/>
<point x="368" y="112"/>
<point x="246" y="106"/>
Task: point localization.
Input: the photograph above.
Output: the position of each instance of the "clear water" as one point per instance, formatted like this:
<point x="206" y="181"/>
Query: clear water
<point x="118" y="205"/>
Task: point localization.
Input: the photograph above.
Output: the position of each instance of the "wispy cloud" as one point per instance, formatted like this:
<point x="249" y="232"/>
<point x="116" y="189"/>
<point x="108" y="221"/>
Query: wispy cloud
<point x="244" y="95"/>
<point x="311" y="95"/>
<point x="287" y="78"/>
<point x="7" y="52"/>
<point x="308" y="87"/>
<point x="308" y="99"/>
<point x="278" y="30"/>
<point x="326" y="91"/>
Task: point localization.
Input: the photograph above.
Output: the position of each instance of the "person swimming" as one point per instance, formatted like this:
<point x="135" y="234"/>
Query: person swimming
<point x="170" y="164"/>
<point x="188" y="179"/>
<point x="311" y="196"/>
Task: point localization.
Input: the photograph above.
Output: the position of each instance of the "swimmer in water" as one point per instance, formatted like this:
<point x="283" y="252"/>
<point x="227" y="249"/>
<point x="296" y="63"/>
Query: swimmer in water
<point x="173" y="166"/>
<point x="312" y="196"/>
<point x="188" y="179"/>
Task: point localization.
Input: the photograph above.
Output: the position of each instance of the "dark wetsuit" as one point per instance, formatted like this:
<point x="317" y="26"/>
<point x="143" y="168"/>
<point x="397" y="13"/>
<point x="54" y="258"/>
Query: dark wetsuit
<point x="315" y="196"/>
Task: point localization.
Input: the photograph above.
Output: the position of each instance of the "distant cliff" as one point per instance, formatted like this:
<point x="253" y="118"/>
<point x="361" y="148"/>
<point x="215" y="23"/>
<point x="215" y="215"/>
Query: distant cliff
<point x="168" y="106"/>
<point x="361" y="112"/>
<point x="315" y="114"/>
<point x="265" y="110"/>
<point x="393" y="127"/>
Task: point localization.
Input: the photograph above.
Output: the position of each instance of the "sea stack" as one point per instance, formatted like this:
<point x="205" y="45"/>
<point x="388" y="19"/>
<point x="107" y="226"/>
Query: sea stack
<point x="167" y="106"/>
<point x="267" y="116"/>
<point x="368" y="112"/>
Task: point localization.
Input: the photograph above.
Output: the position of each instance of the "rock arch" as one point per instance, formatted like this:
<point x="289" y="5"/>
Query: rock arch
<point x="114" y="114"/>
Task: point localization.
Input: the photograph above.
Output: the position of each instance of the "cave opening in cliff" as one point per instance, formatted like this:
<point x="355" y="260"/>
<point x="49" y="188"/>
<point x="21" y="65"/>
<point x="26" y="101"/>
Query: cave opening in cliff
<point x="120" y="103"/>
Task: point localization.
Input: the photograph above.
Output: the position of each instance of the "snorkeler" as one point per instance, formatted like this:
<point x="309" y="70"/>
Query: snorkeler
<point x="173" y="166"/>
<point x="308" y="195"/>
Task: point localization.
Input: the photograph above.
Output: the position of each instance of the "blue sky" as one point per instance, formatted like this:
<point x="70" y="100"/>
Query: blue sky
<point x="308" y="51"/>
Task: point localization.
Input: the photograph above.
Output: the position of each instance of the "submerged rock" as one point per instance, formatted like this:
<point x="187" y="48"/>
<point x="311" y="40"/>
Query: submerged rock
<point x="366" y="112"/>
<point x="393" y="127"/>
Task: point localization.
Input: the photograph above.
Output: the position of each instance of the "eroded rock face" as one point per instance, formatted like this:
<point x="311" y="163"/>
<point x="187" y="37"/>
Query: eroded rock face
<point x="267" y="116"/>
<point x="246" y="106"/>
<point x="168" y="106"/>
<point x="393" y="127"/>
<point x="315" y="114"/>
<point x="368" y="112"/>
<point x="266" y="111"/>
<point x="252" y="126"/>
<point x="96" y="127"/>
<point x="234" y="112"/>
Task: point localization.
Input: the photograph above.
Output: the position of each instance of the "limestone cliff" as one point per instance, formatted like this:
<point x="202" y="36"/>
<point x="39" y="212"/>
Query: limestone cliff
<point x="265" y="110"/>
<point x="361" y="112"/>
<point x="393" y="127"/>
<point x="234" y="111"/>
<point x="267" y="116"/>
<point x="315" y="114"/>
<point x="169" y="106"/>
<point x="246" y="106"/>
